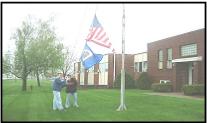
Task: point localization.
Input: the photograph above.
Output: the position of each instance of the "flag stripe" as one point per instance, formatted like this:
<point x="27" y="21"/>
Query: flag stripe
<point x="92" y="33"/>
<point x="105" y="41"/>
<point x="102" y="36"/>
<point x="99" y="32"/>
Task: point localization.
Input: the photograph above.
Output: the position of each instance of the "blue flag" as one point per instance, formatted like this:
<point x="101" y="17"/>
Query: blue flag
<point x="89" y="58"/>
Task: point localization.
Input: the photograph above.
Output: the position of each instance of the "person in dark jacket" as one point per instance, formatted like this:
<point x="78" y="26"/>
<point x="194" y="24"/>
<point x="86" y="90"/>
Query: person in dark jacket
<point x="71" y="90"/>
<point x="57" y="85"/>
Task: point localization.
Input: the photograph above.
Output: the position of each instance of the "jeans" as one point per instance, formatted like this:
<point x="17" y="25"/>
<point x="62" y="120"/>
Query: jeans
<point x="67" y="103"/>
<point x="57" y="102"/>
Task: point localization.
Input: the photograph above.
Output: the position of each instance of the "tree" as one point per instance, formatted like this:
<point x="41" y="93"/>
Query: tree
<point x="37" y="50"/>
<point x="6" y="64"/>
<point x="22" y="67"/>
<point x="46" y="52"/>
<point x="144" y="82"/>
<point x="129" y="81"/>
<point x="69" y="58"/>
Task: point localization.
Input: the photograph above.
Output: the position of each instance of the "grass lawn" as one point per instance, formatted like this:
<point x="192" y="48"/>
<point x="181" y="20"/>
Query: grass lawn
<point x="95" y="105"/>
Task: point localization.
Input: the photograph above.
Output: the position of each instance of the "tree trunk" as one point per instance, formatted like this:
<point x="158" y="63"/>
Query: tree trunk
<point x="38" y="79"/>
<point x="24" y="77"/>
<point x="24" y="84"/>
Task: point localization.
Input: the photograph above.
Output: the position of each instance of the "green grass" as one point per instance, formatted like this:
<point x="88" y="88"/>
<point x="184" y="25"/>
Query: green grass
<point x="96" y="105"/>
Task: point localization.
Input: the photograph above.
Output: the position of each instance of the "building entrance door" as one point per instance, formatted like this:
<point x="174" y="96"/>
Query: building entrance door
<point x="190" y="73"/>
<point x="181" y="75"/>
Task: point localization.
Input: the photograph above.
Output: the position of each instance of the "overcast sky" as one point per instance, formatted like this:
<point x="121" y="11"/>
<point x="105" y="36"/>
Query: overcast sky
<point x="144" y="22"/>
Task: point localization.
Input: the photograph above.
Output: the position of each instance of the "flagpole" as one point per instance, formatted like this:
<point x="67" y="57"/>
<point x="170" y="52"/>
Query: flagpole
<point x="96" y="8"/>
<point x="122" y="99"/>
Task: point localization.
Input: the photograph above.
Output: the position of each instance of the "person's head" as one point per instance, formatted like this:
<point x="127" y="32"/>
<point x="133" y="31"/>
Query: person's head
<point x="68" y="76"/>
<point x="73" y="79"/>
<point x="60" y="74"/>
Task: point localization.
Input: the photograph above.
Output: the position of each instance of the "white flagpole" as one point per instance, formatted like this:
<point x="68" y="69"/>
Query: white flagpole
<point x="122" y="101"/>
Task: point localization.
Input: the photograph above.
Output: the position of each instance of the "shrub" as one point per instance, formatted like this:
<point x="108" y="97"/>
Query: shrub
<point x="196" y="89"/>
<point x="129" y="81"/>
<point x="144" y="81"/>
<point x="162" y="87"/>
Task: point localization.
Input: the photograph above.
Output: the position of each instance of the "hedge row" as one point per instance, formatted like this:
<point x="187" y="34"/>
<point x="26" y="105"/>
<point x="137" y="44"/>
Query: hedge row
<point x="162" y="87"/>
<point x="196" y="89"/>
<point x="129" y="81"/>
<point x="144" y="82"/>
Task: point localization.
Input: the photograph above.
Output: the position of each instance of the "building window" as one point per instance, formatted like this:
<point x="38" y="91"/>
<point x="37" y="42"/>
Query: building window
<point x="82" y="69"/>
<point x="103" y="75"/>
<point x="144" y="66"/>
<point x="91" y="69"/>
<point x="136" y="66"/>
<point x="169" y="58"/>
<point x="140" y="66"/>
<point x="82" y="75"/>
<point x="189" y="50"/>
<point x="76" y="67"/>
<point x="106" y="67"/>
<point x="160" y="58"/>
<point x="103" y="67"/>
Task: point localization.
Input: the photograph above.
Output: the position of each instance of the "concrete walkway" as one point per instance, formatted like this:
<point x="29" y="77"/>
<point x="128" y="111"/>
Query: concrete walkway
<point x="176" y="94"/>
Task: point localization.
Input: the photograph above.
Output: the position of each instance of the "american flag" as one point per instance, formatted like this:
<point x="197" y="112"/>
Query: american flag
<point x="98" y="35"/>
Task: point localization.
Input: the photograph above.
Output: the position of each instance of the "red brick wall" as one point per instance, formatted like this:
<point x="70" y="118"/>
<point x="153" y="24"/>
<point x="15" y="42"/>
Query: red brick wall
<point x="110" y="70"/>
<point x="128" y="65"/>
<point x="175" y="43"/>
<point x="96" y="75"/>
<point x="137" y="75"/>
<point x="85" y="78"/>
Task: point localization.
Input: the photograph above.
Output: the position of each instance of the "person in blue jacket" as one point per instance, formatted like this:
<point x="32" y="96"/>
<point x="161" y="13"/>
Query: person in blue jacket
<point x="57" y="85"/>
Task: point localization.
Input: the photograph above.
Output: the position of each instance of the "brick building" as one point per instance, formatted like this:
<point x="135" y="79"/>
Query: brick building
<point x="178" y="59"/>
<point x="102" y="74"/>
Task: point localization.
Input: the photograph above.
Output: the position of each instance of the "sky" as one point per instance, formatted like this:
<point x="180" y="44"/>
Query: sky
<point x="144" y="23"/>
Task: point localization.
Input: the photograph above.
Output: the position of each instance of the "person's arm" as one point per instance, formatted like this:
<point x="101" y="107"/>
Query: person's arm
<point x="75" y="84"/>
<point x="64" y="83"/>
<point x="58" y="81"/>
